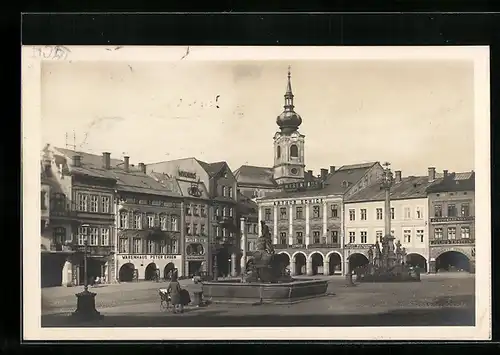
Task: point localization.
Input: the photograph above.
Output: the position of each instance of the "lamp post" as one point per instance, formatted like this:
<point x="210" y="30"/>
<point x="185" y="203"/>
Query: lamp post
<point x="85" y="306"/>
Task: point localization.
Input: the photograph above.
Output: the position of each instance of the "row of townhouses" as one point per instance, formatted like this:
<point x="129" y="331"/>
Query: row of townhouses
<point x="135" y="222"/>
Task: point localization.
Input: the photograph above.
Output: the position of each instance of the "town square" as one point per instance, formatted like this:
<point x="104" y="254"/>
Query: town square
<point x="253" y="214"/>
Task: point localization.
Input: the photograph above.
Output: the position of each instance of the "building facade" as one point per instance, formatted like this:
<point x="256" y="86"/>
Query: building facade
<point x="452" y="222"/>
<point x="364" y="224"/>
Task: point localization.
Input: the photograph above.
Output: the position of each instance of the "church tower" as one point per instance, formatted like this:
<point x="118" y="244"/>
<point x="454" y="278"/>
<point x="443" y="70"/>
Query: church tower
<point x="288" y="143"/>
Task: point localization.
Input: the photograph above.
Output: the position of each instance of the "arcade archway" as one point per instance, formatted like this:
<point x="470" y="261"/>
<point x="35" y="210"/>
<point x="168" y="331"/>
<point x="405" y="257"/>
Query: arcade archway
<point x="286" y="258"/>
<point x="415" y="260"/>
<point x="335" y="263"/>
<point x="357" y="260"/>
<point x="150" y="272"/>
<point x="300" y="264"/>
<point x="126" y="272"/>
<point x="166" y="271"/>
<point x="452" y="261"/>
<point x="317" y="263"/>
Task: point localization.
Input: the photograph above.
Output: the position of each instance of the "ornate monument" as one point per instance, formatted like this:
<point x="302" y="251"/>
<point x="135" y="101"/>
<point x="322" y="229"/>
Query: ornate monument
<point x="386" y="259"/>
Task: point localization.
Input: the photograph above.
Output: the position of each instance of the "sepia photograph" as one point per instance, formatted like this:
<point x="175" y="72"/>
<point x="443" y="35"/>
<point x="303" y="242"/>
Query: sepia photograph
<point x="281" y="193"/>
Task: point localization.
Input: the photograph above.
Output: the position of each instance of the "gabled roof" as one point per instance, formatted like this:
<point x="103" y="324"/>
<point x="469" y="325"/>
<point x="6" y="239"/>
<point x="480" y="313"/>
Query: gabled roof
<point x="255" y="175"/>
<point x="455" y="182"/>
<point x="410" y="187"/>
<point x="212" y="169"/>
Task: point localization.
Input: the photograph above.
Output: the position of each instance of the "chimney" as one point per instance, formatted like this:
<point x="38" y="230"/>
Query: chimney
<point x="432" y="174"/>
<point x="142" y="167"/>
<point x="309" y="175"/>
<point x="398" y="176"/>
<point x="332" y="169"/>
<point x="445" y="173"/>
<point x="324" y="173"/>
<point x="126" y="164"/>
<point x="77" y="160"/>
<point x="106" y="160"/>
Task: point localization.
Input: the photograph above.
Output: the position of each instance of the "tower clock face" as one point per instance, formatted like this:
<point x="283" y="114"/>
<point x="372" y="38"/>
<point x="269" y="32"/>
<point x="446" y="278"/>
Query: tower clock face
<point x="294" y="171"/>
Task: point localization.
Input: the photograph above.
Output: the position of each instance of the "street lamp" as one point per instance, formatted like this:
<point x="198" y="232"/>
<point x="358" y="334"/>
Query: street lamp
<point x="85" y="306"/>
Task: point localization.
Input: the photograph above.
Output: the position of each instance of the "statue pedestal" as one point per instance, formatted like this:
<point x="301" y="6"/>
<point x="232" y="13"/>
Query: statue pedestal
<point x="85" y="306"/>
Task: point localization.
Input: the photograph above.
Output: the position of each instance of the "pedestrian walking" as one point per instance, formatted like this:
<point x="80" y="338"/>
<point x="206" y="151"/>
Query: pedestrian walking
<point x="174" y="289"/>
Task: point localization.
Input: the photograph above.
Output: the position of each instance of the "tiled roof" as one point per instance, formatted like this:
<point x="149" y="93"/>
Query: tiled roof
<point x="212" y="168"/>
<point x="87" y="158"/>
<point x="255" y="175"/>
<point x="455" y="182"/>
<point x="337" y="183"/>
<point x="409" y="187"/>
<point x="458" y="176"/>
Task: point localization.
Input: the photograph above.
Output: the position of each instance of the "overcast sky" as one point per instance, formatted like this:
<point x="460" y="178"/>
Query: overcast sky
<point x="413" y="114"/>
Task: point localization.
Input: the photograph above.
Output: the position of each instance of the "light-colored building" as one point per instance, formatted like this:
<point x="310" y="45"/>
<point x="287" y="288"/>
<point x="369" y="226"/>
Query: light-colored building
<point x="364" y="224"/>
<point x="452" y="222"/>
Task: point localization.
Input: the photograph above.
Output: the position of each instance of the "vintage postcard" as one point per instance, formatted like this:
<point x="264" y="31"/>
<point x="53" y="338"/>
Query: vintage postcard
<point x="306" y="193"/>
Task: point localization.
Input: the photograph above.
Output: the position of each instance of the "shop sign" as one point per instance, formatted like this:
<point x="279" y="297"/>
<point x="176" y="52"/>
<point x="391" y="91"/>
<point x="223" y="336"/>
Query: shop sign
<point x="195" y="257"/>
<point x="186" y="174"/>
<point x="150" y="256"/>
<point x="196" y="240"/>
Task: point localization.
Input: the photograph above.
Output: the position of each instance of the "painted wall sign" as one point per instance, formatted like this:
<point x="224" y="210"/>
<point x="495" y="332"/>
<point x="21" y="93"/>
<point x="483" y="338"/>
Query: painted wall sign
<point x="186" y="174"/>
<point x="196" y="240"/>
<point x="195" y="258"/>
<point x="451" y="219"/>
<point x="151" y="256"/>
<point x="358" y="246"/>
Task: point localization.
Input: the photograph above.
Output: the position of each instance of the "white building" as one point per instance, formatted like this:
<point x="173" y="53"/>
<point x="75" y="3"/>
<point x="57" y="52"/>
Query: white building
<point x="364" y="220"/>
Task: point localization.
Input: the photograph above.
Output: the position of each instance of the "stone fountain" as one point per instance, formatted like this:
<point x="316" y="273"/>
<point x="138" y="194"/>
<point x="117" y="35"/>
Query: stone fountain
<point x="265" y="280"/>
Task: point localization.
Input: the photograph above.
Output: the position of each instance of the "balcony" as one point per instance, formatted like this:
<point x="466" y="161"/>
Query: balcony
<point x="62" y="214"/>
<point x="462" y="241"/>
<point x="324" y="246"/>
<point x="57" y="247"/>
<point x="451" y="219"/>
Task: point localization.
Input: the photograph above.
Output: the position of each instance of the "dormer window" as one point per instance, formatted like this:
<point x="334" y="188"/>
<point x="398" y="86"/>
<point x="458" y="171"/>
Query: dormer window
<point x="345" y="183"/>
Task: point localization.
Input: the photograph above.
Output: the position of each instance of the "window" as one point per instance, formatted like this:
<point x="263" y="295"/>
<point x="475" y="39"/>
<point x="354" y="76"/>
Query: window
<point x="316" y="239"/>
<point x="283" y="238"/>
<point x="188" y="229"/>
<point x="43" y="205"/>
<point x="267" y="214"/>
<point x="216" y="212"/>
<point x="137" y="221"/>
<point x="172" y="248"/>
<point x="294" y="151"/>
<point x="464" y="210"/>
<point x="249" y="246"/>
<point x="316" y="213"/>
<point x="82" y="235"/>
<point x="363" y="214"/>
<point x="230" y="212"/>
<point x="299" y="237"/>
<point x="224" y="191"/>
<point x="93" y="236"/>
<point x="452" y="210"/>
<point x="392" y="212"/>
<point x="188" y="210"/>
<point x="379" y="235"/>
<point x="123" y="246"/>
<point x="230" y="190"/>
<point x="163" y="247"/>
<point x="82" y="202"/>
<point x="278" y="152"/>
<point x="438" y="233"/>
<point x="379" y="213"/>
<point x="420" y="235"/>
<point x="137" y="245"/>
<point x="202" y="211"/>
<point x="59" y="235"/>
<point x="363" y="237"/>
<point x="438" y="211"/>
<point x="105" y="204"/>
<point x="407" y="236"/>
<point x="123" y="219"/>
<point x="217" y="231"/>
<point x="105" y="237"/>
<point x="334" y="211"/>
<point x="151" y="221"/>
<point x="418" y="212"/>
<point x="283" y="213"/>
<point x="58" y="202"/>
<point x="163" y="222"/>
<point x="249" y="228"/>
<point x="407" y="213"/>
<point x="202" y="229"/>
<point x="195" y="210"/>
<point x="452" y="233"/>
<point x="195" y="229"/>
<point x="352" y="237"/>
<point x="255" y="229"/>
<point x="465" y="232"/>
<point x="94" y="203"/>
<point x="299" y="213"/>
<point x="151" y="247"/>
<point x="174" y="221"/>
<point x="224" y="211"/>
<point x="352" y="215"/>
<point x="334" y="237"/>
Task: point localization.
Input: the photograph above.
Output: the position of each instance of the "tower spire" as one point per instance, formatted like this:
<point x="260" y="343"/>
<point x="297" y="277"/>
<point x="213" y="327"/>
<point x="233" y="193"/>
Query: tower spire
<point x="289" y="94"/>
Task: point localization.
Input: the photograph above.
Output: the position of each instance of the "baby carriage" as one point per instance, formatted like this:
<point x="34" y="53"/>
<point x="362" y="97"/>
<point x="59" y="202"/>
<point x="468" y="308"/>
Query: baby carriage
<point x="165" y="299"/>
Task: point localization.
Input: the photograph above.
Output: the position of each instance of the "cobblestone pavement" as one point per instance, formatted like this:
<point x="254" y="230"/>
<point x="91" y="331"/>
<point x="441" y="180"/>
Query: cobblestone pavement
<point x="437" y="300"/>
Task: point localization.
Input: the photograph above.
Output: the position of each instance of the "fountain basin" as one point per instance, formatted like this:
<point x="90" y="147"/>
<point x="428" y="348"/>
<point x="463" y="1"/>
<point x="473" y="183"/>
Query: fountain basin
<point x="401" y="275"/>
<point x="235" y="292"/>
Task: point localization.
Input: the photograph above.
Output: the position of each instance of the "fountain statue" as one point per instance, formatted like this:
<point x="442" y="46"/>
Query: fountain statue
<point x="266" y="265"/>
